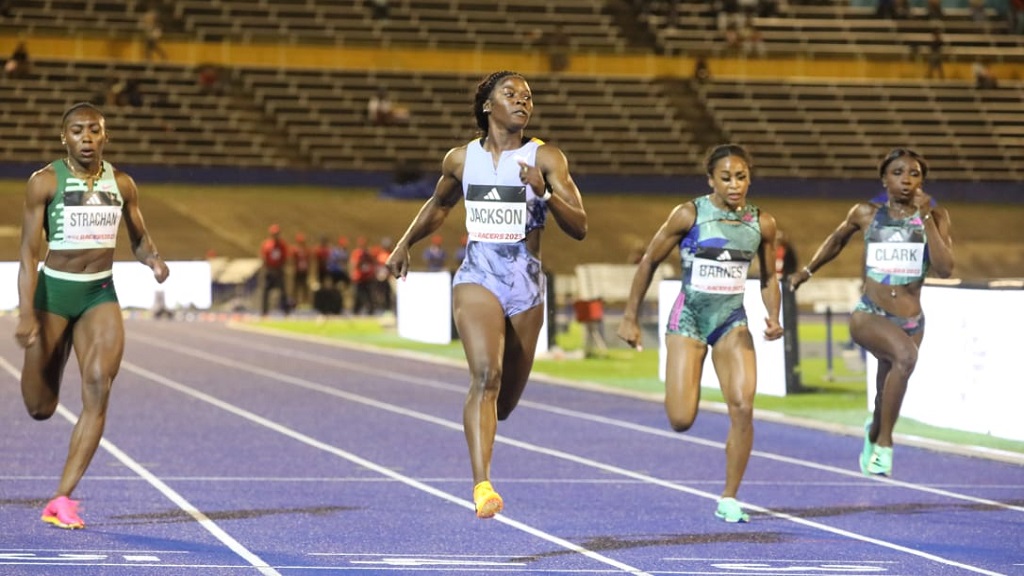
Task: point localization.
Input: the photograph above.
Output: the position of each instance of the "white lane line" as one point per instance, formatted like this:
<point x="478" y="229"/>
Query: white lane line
<point x="314" y="386"/>
<point x="382" y="470"/>
<point x="203" y="520"/>
<point x="663" y="433"/>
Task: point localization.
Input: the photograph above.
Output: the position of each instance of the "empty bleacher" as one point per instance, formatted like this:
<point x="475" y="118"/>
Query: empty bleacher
<point x="835" y="28"/>
<point x="316" y="118"/>
<point x="812" y="129"/>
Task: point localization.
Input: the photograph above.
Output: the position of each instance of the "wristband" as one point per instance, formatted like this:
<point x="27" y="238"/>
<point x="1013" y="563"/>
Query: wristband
<point x="547" y="192"/>
<point x="808" y="270"/>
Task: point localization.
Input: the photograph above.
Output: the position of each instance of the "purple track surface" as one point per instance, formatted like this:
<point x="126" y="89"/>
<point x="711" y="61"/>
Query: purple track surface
<point x="233" y="452"/>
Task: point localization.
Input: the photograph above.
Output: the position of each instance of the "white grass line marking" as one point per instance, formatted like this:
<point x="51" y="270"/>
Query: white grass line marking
<point x="382" y="470"/>
<point x="309" y="385"/>
<point x="203" y="520"/>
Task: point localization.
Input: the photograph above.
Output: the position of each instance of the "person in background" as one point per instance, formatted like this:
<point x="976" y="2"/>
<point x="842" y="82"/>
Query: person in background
<point x="785" y="256"/>
<point x="364" y="277"/>
<point x="77" y="203"/>
<point x="499" y="291"/>
<point x="906" y="237"/>
<point x="17" y="66"/>
<point x="718" y="236"/>
<point x="434" y="256"/>
<point x="274" y="254"/>
<point x="300" y="256"/>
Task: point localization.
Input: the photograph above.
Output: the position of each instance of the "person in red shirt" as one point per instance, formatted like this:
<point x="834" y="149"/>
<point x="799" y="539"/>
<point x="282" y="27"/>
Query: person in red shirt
<point x="300" y="255"/>
<point x="364" y="276"/>
<point x="274" y="253"/>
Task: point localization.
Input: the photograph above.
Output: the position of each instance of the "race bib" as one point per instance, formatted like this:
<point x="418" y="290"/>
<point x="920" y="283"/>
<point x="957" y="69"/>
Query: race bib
<point x="496" y="213"/>
<point x="718" y="277"/>
<point x="91" y="219"/>
<point x="896" y="258"/>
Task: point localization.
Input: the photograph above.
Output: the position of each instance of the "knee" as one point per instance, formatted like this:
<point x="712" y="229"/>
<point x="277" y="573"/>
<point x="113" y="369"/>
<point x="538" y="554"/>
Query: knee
<point x="904" y="361"/>
<point x="96" y="388"/>
<point x="680" y="424"/>
<point x="681" y="420"/>
<point x="741" y="411"/>
<point x="41" y="411"/>
<point x="485" y="380"/>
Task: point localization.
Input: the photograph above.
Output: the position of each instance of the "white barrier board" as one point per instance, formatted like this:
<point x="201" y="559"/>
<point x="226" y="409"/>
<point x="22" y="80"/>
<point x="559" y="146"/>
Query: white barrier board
<point x="771" y="356"/>
<point x="424" y="309"/>
<point x="968" y="375"/>
<point x="189" y="284"/>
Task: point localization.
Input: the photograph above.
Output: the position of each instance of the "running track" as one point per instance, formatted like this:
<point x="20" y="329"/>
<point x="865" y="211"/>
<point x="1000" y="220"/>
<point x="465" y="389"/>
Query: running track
<point x="234" y="452"/>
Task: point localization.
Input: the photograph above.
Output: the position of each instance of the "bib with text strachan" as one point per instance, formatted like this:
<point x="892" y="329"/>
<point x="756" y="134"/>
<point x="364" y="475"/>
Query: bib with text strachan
<point x="78" y="218"/>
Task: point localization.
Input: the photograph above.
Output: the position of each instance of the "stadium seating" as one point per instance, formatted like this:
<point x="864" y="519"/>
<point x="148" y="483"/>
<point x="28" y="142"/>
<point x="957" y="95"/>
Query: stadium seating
<point x="838" y="29"/>
<point x="316" y="118"/>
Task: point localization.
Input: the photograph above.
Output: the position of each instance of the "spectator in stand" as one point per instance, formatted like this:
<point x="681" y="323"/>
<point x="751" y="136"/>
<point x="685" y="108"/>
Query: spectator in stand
<point x="935" y="58"/>
<point x="1015" y="13"/>
<point x="300" y="255"/>
<point x="701" y="70"/>
<point x="152" y="30"/>
<point x="274" y="253"/>
<point x="378" y="109"/>
<point x="557" y="46"/>
<point x="983" y="77"/>
<point x="17" y="66"/>
<point x="380" y="9"/>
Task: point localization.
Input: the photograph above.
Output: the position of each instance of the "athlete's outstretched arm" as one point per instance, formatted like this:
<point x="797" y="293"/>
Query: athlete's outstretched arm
<point x="835" y="242"/>
<point x="679" y="222"/>
<point x="432" y="214"/>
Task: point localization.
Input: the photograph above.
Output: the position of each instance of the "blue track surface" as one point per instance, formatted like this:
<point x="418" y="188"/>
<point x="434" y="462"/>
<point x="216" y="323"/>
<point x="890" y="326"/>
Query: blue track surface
<point x="230" y="452"/>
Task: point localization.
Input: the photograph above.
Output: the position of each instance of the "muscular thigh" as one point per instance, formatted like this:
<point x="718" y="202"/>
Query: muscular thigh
<point x="46" y="357"/>
<point x="480" y="321"/>
<point x="880" y="336"/>
<point x="735" y="364"/>
<point x="99" y="339"/>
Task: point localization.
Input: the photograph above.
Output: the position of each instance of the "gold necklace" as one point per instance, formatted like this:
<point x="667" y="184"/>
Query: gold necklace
<point x="89" y="180"/>
<point x="88" y="177"/>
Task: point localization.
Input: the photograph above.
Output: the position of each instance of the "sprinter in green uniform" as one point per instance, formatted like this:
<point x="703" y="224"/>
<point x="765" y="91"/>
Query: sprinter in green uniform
<point x="718" y="236"/>
<point x="77" y="202"/>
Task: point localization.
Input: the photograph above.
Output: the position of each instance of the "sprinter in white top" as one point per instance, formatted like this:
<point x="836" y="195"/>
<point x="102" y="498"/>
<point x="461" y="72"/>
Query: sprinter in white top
<point x="509" y="183"/>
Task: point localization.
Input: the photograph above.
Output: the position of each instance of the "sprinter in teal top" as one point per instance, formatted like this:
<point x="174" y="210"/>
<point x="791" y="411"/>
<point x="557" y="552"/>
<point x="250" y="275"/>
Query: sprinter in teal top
<point x="906" y="236"/>
<point x="78" y="202"/>
<point x="718" y="236"/>
<point x="716" y="255"/>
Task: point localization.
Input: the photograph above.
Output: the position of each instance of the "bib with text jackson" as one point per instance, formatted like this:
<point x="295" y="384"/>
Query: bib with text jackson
<point x="496" y="213"/>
